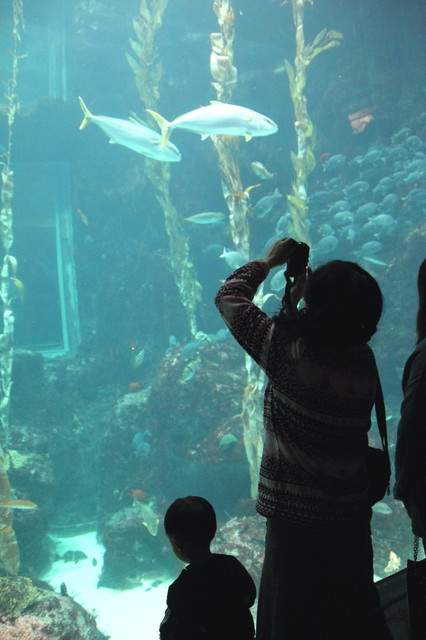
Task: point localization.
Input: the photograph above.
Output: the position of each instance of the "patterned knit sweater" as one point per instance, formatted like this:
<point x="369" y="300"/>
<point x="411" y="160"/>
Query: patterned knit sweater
<point x="317" y="411"/>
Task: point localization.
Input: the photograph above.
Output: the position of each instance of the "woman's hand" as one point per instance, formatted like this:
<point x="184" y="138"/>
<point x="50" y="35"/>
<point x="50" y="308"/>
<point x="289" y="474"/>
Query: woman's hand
<point x="279" y="252"/>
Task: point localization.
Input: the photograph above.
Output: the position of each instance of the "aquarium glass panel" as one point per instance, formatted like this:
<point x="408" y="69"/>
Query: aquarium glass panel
<point x="149" y="148"/>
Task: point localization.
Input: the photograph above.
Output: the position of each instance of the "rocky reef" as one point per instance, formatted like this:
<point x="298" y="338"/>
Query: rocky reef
<point x="29" y="612"/>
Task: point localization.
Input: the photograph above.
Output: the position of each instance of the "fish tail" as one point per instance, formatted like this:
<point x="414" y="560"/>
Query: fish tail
<point x="163" y="124"/>
<point x="87" y="115"/>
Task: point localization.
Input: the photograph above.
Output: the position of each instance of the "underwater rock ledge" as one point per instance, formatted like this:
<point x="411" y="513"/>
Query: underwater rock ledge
<point x="27" y="611"/>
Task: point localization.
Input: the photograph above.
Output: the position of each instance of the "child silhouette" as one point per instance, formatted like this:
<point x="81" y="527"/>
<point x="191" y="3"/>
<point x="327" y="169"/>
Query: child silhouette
<point x="212" y="596"/>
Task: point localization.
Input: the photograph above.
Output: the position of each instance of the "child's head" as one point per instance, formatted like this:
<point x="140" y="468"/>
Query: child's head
<point x="190" y="523"/>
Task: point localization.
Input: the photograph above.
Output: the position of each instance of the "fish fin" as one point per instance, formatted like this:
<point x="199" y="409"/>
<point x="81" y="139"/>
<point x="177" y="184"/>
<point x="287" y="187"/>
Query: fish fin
<point x="248" y="137"/>
<point x="135" y="118"/>
<point x="87" y="115"/>
<point x="204" y="136"/>
<point x="163" y="124"/>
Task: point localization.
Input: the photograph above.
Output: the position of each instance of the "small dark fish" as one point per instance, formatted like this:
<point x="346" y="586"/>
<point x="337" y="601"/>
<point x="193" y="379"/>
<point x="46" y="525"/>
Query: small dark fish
<point x="278" y="281"/>
<point x="320" y="198"/>
<point x="365" y="211"/>
<point x="371" y="157"/>
<point x="283" y="224"/>
<point x="326" y="245"/>
<point x="357" y="188"/>
<point x="413" y="143"/>
<point x="401" y="135"/>
<point x="417" y="165"/>
<point x="335" y="184"/>
<point x="325" y="229"/>
<point x="397" y="154"/>
<point x="416" y="197"/>
<point x="413" y="178"/>
<point x="234" y="259"/>
<point x="74" y="556"/>
<point x="382" y="220"/>
<point x="343" y="217"/>
<point x="212" y="250"/>
<point x="334" y="162"/>
<point x="63" y="589"/>
<point x="399" y="178"/>
<point x="190" y="348"/>
<point x="372" y="173"/>
<point x="350" y="232"/>
<point x="340" y="205"/>
<point x="389" y="203"/>
<point x="261" y="171"/>
<point x="266" y="204"/>
<point x="383" y="186"/>
<point x="370" y="248"/>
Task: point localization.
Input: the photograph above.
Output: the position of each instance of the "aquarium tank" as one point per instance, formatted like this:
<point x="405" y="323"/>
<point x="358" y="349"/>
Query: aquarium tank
<point x="121" y="388"/>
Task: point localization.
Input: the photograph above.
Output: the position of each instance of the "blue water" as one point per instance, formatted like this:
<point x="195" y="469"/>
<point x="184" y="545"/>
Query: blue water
<point x="101" y="301"/>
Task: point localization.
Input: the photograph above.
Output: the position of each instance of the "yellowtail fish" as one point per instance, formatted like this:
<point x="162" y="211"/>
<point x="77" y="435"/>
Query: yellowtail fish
<point x="133" y="135"/>
<point x="218" y="118"/>
<point x="209" y="217"/>
<point x="261" y="171"/>
<point x="17" y="504"/>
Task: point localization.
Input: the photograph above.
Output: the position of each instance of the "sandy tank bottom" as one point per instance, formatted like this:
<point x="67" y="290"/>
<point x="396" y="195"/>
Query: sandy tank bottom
<point x="133" y="614"/>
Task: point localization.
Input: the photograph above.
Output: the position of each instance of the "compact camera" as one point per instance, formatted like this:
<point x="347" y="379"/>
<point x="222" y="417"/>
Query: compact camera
<point x="298" y="261"/>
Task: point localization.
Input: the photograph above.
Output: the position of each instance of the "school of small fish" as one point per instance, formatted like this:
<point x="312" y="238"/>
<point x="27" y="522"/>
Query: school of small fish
<point x="362" y="205"/>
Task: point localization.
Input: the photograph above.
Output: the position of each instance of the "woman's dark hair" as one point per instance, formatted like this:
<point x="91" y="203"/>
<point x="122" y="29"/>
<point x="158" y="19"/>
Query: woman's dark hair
<point x="421" y="314"/>
<point x="343" y="305"/>
<point x="191" y="519"/>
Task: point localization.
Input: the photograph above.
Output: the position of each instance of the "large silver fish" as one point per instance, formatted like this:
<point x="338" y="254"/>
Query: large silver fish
<point x="133" y="135"/>
<point x="218" y="118"/>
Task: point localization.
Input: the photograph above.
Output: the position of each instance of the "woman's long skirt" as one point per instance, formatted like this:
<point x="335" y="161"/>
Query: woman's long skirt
<point x="318" y="586"/>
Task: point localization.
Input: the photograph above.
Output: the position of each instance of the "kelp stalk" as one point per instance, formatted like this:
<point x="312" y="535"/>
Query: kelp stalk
<point x="304" y="161"/>
<point x="224" y="76"/>
<point x="9" y="551"/>
<point x="147" y="68"/>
